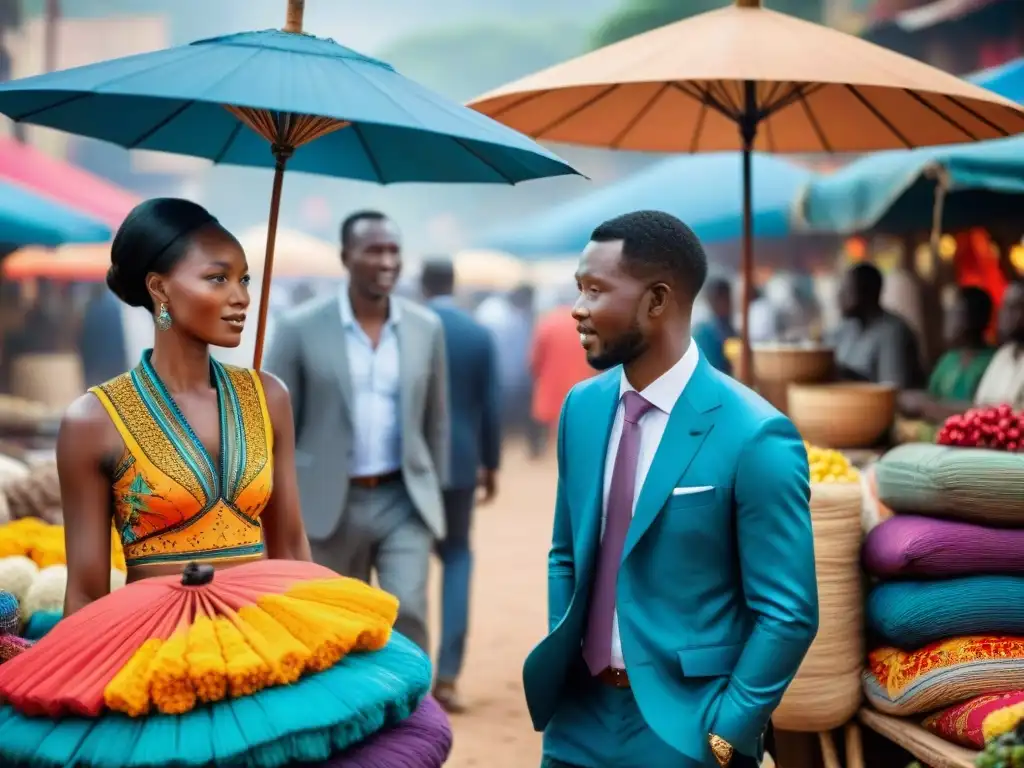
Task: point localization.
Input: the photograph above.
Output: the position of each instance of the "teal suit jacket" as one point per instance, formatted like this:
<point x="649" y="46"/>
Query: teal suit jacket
<point x="717" y="596"/>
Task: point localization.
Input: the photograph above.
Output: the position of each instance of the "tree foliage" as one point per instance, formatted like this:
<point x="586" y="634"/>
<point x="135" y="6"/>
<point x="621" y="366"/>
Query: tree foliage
<point x="463" y="62"/>
<point x="635" y="17"/>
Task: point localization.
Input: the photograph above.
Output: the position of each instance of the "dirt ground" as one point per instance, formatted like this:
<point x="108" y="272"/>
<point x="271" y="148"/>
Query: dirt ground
<point x="509" y="605"/>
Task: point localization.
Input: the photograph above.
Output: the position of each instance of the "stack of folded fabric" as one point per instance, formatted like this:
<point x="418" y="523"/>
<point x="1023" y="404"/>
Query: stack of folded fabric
<point x="274" y="664"/>
<point x="946" y="612"/>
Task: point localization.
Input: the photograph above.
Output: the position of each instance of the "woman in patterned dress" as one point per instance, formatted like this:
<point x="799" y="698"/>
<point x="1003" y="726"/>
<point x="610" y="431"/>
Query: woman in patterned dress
<point x="194" y="460"/>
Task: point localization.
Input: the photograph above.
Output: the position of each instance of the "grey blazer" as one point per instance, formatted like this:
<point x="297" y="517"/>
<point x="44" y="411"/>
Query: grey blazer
<point x="307" y="351"/>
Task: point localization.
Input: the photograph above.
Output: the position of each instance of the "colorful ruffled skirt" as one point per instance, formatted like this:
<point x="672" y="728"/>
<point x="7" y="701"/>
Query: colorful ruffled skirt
<point x="267" y="665"/>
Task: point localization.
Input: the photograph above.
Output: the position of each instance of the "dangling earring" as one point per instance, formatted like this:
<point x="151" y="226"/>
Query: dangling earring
<point x="163" y="319"/>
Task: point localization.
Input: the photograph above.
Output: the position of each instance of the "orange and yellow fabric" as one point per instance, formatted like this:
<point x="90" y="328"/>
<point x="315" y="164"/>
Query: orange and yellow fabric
<point x="173" y="501"/>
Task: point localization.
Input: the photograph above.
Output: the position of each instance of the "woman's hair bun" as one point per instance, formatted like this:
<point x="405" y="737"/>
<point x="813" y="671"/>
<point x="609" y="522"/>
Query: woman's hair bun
<point x="154" y="237"/>
<point x="123" y="292"/>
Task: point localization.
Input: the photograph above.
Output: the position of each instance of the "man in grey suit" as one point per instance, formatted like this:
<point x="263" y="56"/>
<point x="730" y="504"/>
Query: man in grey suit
<point x="368" y="380"/>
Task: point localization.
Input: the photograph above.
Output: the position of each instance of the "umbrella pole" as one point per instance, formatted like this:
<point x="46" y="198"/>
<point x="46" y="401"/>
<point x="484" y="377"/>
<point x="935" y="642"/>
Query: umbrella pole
<point x="268" y="264"/>
<point x="748" y="129"/>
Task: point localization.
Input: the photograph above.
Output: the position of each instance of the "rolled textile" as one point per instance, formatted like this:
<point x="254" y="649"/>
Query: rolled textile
<point x="910" y="614"/>
<point x="973" y="484"/>
<point x="940" y="674"/>
<point x="11" y="646"/>
<point x="39" y="626"/>
<point x="974" y="722"/>
<point x="423" y="740"/>
<point x="826" y="691"/>
<point x="10" y="614"/>
<point x="910" y="545"/>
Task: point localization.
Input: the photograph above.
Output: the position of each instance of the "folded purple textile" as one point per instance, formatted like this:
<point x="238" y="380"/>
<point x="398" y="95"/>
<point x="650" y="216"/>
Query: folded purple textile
<point x="909" y="545"/>
<point x="11" y="646"/>
<point x="422" y="740"/>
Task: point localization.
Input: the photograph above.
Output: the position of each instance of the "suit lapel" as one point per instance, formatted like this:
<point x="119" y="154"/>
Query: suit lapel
<point x="589" y="444"/>
<point x="691" y="420"/>
<point x="409" y="341"/>
<point x="338" y="360"/>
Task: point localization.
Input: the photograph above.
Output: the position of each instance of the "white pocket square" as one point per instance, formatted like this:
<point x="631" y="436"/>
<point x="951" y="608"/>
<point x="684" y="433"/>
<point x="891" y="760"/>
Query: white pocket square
<point x="684" y="491"/>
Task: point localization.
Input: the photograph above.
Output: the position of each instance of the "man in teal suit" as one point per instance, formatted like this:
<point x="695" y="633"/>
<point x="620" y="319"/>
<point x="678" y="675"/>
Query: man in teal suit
<point x="681" y="585"/>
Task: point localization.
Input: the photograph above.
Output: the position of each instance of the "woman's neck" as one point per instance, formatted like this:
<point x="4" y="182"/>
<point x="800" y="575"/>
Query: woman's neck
<point x="183" y="365"/>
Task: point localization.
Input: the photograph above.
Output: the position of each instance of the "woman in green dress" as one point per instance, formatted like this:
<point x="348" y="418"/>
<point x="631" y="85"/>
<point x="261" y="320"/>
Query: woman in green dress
<point x="958" y="372"/>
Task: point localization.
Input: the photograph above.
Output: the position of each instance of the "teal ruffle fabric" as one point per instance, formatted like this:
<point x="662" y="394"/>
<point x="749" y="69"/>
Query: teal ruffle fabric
<point x="309" y="721"/>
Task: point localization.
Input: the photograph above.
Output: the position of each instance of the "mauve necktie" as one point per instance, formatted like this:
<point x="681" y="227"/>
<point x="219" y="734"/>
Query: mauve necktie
<point x="597" y="645"/>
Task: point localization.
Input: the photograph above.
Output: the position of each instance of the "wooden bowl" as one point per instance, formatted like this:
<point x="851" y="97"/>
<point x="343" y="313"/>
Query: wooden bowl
<point x="792" y="363"/>
<point x="847" y="415"/>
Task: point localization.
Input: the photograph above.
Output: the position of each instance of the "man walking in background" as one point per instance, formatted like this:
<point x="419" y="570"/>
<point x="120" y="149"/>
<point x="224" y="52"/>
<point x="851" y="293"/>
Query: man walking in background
<point x="367" y="374"/>
<point x="475" y="447"/>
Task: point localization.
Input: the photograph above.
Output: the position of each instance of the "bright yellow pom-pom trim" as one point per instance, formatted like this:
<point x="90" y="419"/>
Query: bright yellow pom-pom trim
<point x="308" y="629"/>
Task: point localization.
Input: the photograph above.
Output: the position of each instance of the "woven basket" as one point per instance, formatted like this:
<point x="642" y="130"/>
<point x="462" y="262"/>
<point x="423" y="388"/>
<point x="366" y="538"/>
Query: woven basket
<point x="54" y="380"/>
<point x="842" y="415"/>
<point x="826" y="692"/>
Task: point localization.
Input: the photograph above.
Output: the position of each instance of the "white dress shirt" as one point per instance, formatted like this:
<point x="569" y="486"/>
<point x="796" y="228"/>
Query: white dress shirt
<point x="375" y="379"/>
<point x="662" y="393"/>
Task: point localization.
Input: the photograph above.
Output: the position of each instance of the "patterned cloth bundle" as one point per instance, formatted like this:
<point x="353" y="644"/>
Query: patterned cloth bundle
<point x="946" y="611"/>
<point x="269" y="664"/>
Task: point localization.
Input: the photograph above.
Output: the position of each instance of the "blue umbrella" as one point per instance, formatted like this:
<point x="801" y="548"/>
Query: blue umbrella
<point x="29" y="219"/>
<point x="703" y="190"/>
<point x="1007" y="80"/>
<point x="894" y="192"/>
<point x="226" y="97"/>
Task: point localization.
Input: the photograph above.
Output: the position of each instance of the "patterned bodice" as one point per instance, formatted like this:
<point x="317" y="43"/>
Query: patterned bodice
<point x="173" y="501"/>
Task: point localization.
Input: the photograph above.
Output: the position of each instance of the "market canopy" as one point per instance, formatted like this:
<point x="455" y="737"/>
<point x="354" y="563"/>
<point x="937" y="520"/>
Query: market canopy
<point x="705" y="191"/>
<point x="30" y="219"/>
<point x="895" y="192"/>
<point x="1007" y="80"/>
<point x="64" y="182"/>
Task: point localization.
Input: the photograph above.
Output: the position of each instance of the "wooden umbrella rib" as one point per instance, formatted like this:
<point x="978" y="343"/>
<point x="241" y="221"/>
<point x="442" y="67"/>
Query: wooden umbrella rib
<point x="149" y="132"/>
<point x="232" y="135"/>
<point x="369" y="155"/>
<point x="723" y="96"/>
<point x="826" y="145"/>
<point x="797" y="92"/>
<point x="516" y="103"/>
<point x="462" y="143"/>
<point x="769" y="98"/>
<point x="641" y="113"/>
<point x="979" y="117"/>
<point x="565" y="117"/>
<point x="879" y="116"/>
<point x="698" y="128"/>
<point x="769" y="135"/>
<point x="935" y="110"/>
<point x="706" y="99"/>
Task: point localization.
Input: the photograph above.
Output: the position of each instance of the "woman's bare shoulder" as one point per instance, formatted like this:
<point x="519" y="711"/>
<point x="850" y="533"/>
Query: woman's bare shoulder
<point x="87" y="425"/>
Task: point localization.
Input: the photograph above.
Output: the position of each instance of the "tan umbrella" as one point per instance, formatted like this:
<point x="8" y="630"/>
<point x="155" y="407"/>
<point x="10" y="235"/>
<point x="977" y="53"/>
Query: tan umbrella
<point x="747" y="78"/>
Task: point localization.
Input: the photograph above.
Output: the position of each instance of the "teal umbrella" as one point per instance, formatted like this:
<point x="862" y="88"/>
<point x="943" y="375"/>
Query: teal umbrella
<point x="703" y="190"/>
<point x="322" y="107"/>
<point x="902" y="192"/>
<point x="1006" y="79"/>
<point x="30" y="219"/>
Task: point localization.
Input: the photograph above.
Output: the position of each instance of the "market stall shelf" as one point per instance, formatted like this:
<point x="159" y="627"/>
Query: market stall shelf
<point x="926" y="747"/>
